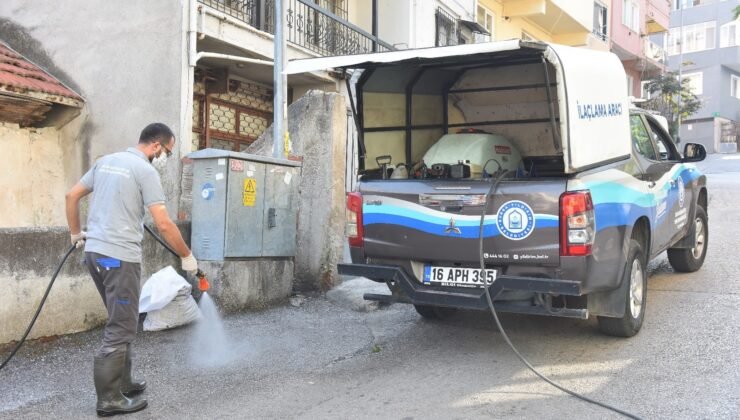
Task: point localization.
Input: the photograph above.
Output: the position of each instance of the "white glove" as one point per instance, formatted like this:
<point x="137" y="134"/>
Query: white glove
<point x="78" y="239"/>
<point x="189" y="263"/>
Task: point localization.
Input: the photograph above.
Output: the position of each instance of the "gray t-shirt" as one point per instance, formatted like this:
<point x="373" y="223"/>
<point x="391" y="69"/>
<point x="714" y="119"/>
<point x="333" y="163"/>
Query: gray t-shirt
<point x="124" y="185"/>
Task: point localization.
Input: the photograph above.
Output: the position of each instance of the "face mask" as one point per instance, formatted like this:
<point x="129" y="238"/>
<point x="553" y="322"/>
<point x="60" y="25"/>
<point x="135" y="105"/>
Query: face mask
<point x="160" y="161"/>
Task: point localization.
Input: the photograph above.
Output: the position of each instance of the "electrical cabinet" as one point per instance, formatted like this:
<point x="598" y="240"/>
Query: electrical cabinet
<point x="243" y="205"/>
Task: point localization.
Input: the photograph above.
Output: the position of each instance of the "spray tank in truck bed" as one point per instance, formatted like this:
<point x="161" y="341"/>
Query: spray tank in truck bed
<point x="481" y="151"/>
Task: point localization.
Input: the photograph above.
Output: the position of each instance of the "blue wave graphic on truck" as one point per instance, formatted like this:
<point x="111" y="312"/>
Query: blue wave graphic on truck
<point x="439" y="223"/>
<point x="615" y="204"/>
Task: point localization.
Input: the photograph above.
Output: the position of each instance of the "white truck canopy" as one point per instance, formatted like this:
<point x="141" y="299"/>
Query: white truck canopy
<point x="592" y="101"/>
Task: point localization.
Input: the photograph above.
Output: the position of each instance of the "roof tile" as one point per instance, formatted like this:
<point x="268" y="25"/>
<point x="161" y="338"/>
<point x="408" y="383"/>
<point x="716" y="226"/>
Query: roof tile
<point x="20" y="75"/>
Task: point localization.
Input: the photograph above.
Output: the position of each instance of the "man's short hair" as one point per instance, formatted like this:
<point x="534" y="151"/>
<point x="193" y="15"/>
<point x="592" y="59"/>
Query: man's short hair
<point x="156" y="132"/>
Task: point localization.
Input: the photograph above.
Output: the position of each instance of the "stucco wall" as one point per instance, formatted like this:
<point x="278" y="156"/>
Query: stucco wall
<point x="394" y="22"/>
<point x="125" y="58"/>
<point x="28" y="258"/>
<point x="623" y="35"/>
<point x="33" y="184"/>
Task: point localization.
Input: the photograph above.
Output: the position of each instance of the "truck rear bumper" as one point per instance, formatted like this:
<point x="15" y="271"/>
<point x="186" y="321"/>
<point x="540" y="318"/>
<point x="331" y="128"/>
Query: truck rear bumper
<point x="474" y="298"/>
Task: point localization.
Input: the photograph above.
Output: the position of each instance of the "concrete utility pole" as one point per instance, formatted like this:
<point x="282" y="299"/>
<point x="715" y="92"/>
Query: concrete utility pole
<point x="280" y="137"/>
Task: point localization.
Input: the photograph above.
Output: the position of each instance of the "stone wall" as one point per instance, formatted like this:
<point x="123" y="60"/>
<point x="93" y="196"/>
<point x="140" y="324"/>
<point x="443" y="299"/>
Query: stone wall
<point x="317" y="123"/>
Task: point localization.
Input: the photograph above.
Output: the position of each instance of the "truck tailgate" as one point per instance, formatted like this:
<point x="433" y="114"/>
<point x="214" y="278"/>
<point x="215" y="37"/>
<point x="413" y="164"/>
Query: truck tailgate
<point x="437" y="221"/>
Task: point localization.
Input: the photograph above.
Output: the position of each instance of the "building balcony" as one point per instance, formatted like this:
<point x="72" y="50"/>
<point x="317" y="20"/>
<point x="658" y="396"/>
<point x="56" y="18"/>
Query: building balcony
<point x="309" y="25"/>
<point x="559" y="16"/>
<point x="657" y="16"/>
<point x="655" y="53"/>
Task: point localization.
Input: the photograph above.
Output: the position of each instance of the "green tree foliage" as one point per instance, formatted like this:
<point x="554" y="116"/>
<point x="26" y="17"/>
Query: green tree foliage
<point x="736" y="12"/>
<point x="665" y="92"/>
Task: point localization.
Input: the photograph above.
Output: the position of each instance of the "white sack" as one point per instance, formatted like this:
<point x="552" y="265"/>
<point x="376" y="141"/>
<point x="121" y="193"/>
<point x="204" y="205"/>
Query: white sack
<point x="160" y="289"/>
<point x="182" y="310"/>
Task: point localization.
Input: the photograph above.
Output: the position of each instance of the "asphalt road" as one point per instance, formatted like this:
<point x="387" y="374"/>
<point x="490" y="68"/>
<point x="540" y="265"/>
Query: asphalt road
<point x="324" y="360"/>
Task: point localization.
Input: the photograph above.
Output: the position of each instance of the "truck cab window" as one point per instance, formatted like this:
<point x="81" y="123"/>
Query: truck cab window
<point x="641" y="138"/>
<point x="666" y="151"/>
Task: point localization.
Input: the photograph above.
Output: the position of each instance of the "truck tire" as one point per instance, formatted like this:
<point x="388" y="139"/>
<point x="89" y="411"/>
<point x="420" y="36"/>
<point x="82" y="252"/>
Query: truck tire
<point x="434" y="312"/>
<point x="688" y="260"/>
<point x="635" y="276"/>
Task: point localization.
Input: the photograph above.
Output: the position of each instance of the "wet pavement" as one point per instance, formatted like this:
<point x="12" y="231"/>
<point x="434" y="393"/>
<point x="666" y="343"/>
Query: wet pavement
<point x="326" y="360"/>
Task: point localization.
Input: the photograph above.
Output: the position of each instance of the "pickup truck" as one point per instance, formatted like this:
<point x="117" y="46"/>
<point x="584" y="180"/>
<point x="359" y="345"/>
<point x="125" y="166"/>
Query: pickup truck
<point x="587" y="189"/>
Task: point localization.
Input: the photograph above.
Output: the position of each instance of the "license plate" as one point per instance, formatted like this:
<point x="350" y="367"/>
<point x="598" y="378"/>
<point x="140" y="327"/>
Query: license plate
<point x="458" y="277"/>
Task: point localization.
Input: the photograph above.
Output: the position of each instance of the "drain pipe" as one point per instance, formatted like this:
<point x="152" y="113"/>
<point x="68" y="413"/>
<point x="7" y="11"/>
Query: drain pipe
<point x="200" y="55"/>
<point x="192" y="33"/>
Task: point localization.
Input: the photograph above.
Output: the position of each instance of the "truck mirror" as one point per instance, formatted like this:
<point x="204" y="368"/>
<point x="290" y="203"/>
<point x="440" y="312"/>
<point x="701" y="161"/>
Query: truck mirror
<point x="694" y="152"/>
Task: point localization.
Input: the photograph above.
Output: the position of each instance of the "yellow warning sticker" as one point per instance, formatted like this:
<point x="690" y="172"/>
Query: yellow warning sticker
<point x="250" y="192"/>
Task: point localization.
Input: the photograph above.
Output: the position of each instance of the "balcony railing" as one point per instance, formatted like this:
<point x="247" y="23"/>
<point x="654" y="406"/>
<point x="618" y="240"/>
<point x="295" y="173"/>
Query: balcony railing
<point x="600" y="34"/>
<point x="654" y="52"/>
<point x="308" y="25"/>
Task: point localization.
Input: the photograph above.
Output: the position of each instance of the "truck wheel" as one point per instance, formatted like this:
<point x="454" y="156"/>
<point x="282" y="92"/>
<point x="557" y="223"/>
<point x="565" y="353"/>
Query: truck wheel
<point x="689" y="260"/>
<point x="635" y="276"/>
<point x="434" y="312"/>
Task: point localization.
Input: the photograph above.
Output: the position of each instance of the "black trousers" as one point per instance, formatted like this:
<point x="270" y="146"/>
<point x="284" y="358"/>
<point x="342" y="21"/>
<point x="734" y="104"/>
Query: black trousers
<point x="119" y="285"/>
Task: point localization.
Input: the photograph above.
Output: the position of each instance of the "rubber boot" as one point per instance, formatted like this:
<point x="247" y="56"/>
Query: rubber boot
<point x="130" y="387"/>
<point x="108" y="375"/>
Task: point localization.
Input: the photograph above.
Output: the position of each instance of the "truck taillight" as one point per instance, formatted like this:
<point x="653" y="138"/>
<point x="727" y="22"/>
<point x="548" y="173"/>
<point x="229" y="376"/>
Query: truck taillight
<point x="354" y="219"/>
<point x="577" y="224"/>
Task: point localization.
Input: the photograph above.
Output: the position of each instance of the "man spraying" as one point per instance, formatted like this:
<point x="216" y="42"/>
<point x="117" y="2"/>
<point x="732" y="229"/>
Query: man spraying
<point x="125" y="184"/>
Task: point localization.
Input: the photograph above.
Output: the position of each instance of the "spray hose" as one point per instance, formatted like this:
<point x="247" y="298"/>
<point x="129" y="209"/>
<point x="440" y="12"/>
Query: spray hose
<point x="491" y="192"/>
<point x="203" y="285"/>
<point x="41" y="305"/>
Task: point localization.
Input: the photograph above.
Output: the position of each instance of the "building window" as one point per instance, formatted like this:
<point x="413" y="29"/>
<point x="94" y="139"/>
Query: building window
<point x="600" y="21"/>
<point x="688" y="4"/>
<point x="729" y="36"/>
<point x="645" y="90"/>
<point x="447" y="30"/>
<point x="528" y="37"/>
<point x="695" y="82"/>
<point x="735" y="86"/>
<point x="697" y="37"/>
<point x="631" y="14"/>
<point x="485" y="18"/>
<point x="630" y="85"/>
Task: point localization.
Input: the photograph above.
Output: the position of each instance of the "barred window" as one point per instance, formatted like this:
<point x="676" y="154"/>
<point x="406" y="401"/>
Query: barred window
<point x="447" y="29"/>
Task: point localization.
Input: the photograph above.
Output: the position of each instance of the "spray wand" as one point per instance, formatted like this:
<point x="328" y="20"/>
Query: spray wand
<point x="203" y="283"/>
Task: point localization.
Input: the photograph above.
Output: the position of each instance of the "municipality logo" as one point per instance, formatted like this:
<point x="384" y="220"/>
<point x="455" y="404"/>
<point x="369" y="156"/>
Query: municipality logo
<point x="515" y="220"/>
<point x="681" y="191"/>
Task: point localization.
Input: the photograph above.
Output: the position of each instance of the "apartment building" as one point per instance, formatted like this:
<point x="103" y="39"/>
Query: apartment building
<point x="633" y="23"/>
<point x="704" y="45"/>
<point x="420" y="24"/>
<point x="232" y="93"/>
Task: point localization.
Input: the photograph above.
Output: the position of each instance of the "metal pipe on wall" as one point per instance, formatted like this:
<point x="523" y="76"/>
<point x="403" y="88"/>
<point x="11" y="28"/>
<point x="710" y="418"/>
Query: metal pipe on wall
<point x="375" y="25"/>
<point x="237" y="58"/>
